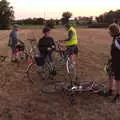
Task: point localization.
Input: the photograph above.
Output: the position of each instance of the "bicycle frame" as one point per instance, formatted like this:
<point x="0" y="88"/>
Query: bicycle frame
<point x="31" y="55"/>
<point x="65" y="56"/>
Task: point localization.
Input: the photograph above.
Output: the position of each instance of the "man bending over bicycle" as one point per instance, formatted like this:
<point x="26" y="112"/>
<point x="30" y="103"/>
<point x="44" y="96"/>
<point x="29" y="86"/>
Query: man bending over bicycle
<point x="46" y="46"/>
<point x="71" y="43"/>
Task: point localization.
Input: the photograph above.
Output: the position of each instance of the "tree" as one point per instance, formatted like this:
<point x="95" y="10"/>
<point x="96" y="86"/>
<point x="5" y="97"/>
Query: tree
<point x="65" y="17"/>
<point x="100" y="19"/>
<point x="76" y="20"/>
<point x="108" y="17"/>
<point x="6" y="14"/>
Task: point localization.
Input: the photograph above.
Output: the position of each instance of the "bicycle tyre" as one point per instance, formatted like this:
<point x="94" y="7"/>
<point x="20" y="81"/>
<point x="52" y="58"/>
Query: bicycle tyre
<point x="32" y="73"/>
<point x="52" y="88"/>
<point x="71" y="70"/>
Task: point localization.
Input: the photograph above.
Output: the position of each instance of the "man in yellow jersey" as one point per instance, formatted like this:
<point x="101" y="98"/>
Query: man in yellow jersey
<point x="71" y="42"/>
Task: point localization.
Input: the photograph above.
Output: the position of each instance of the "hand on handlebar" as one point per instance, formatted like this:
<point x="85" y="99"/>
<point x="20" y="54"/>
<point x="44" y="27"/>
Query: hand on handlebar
<point x="49" y="49"/>
<point x="53" y="46"/>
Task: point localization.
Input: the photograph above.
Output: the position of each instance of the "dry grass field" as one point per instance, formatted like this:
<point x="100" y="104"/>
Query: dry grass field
<point x="21" y="100"/>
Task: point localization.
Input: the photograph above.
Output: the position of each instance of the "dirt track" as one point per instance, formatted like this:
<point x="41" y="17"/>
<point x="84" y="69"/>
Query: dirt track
<point x="21" y="100"/>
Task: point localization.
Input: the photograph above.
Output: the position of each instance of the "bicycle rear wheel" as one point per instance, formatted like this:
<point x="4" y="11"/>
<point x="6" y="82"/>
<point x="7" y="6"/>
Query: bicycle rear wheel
<point x="53" y="88"/>
<point x="90" y="86"/>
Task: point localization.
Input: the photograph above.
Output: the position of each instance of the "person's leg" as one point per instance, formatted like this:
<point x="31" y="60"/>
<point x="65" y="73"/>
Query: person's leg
<point x="70" y="51"/>
<point x="110" y="79"/>
<point x="42" y="64"/>
<point x="117" y="94"/>
<point x="13" y="57"/>
<point x="49" y="57"/>
<point x="117" y="86"/>
<point x="74" y="55"/>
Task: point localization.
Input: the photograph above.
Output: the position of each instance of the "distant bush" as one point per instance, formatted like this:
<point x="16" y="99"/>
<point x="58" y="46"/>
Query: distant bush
<point x="31" y="21"/>
<point x="97" y="25"/>
<point x="50" y="23"/>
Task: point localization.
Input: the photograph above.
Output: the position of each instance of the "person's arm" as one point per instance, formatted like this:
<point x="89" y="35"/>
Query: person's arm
<point x="70" y="34"/>
<point x="10" y="40"/>
<point x="21" y="42"/>
<point x="52" y="44"/>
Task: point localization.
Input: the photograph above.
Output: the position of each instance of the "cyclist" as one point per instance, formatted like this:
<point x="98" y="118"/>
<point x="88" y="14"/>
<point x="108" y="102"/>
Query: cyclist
<point x="115" y="54"/>
<point x="46" y="46"/>
<point x="13" y="41"/>
<point x="71" y="43"/>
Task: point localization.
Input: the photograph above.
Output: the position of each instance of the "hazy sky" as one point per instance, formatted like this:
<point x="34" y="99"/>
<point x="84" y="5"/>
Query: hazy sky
<point x="54" y="8"/>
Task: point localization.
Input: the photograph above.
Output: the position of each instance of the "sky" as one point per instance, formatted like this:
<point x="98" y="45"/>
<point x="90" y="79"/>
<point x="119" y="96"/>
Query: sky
<point x="55" y="8"/>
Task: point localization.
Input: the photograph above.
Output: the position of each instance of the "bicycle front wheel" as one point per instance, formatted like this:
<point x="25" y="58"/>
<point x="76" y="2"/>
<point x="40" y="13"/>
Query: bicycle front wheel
<point x="33" y="73"/>
<point x="71" y="69"/>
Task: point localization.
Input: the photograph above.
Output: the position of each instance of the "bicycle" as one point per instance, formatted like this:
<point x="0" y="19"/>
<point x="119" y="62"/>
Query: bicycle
<point x="50" y="70"/>
<point x="91" y="87"/>
<point x="35" y="71"/>
<point x="70" y="75"/>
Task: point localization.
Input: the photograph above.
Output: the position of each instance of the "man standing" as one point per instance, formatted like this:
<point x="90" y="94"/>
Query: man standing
<point x="115" y="64"/>
<point x="13" y="41"/>
<point x="71" y="43"/>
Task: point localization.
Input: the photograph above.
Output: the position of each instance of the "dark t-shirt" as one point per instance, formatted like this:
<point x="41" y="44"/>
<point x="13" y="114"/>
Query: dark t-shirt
<point x="45" y="43"/>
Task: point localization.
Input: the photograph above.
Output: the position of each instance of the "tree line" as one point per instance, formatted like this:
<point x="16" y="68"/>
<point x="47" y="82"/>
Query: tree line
<point x="109" y="17"/>
<point x="7" y="18"/>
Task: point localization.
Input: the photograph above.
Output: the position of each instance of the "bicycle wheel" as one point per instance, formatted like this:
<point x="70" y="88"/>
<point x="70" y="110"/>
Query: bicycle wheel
<point x="71" y="70"/>
<point x="24" y="56"/>
<point x="33" y="73"/>
<point x="97" y="87"/>
<point x="53" y="88"/>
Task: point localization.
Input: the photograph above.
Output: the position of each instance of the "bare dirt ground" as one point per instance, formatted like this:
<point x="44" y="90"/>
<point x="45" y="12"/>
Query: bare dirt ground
<point x="21" y="100"/>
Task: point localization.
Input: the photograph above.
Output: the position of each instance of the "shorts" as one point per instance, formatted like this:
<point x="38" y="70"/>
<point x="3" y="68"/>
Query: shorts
<point x="13" y="48"/>
<point x="72" y="50"/>
<point x="115" y="53"/>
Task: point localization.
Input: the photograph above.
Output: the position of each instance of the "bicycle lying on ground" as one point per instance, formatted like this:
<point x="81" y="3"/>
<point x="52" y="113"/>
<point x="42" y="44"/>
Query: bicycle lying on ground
<point x="76" y="89"/>
<point x="71" y="87"/>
